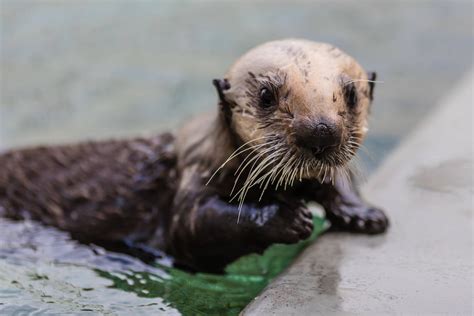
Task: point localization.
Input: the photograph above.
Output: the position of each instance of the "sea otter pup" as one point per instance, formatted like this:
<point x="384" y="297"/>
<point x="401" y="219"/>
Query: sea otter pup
<point x="291" y="115"/>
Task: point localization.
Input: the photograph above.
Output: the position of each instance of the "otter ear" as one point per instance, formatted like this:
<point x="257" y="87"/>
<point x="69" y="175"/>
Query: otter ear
<point x="372" y="75"/>
<point x="221" y="85"/>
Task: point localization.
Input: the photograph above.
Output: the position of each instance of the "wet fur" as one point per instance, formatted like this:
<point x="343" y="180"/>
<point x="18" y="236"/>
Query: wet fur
<point x="163" y="191"/>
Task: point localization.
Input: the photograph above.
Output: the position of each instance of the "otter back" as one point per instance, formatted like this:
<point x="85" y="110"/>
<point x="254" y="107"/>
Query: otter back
<point x="96" y="190"/>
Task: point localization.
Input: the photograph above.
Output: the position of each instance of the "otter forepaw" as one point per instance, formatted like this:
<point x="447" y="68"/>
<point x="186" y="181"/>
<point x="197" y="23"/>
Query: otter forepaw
<point x="358" y="219"/>
<point x="303" y="223"/>
<point x="290" y="226"/>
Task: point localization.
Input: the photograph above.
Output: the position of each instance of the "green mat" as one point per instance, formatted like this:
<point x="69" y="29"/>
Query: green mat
<point x="211" y="294"/>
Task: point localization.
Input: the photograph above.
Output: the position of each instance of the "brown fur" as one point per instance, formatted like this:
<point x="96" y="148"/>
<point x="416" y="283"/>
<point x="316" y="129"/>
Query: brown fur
<point x="161" y="191"/>
<point x="98" y="191"/>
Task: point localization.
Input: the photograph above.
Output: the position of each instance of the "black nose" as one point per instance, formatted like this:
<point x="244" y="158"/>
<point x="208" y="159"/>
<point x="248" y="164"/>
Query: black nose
<point x="317" y="137"/>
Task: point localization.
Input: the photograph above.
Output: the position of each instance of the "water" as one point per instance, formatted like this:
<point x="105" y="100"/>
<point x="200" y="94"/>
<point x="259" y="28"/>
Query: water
<point x="43" y="271"/>
<point x="90" y="69"/>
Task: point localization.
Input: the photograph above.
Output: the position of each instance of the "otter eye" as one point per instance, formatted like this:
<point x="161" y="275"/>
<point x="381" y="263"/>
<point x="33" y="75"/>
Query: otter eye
<point x="267" y="98"/>
<point x="350" y="95"/>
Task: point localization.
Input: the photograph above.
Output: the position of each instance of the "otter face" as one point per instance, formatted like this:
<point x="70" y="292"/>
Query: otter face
<point x="302" y="107"/>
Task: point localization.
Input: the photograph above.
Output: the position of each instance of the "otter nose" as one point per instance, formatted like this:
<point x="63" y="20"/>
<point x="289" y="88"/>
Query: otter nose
<point x="322" y="129"/>
<point x="318" y="138"/>
<point x="323" y="138"/>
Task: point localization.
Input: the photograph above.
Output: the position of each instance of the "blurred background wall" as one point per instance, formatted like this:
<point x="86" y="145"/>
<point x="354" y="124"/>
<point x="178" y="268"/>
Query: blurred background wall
<point x="76" y="70"/>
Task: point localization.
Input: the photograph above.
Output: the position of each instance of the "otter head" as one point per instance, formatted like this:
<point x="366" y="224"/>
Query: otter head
<point x="301" y="106"/>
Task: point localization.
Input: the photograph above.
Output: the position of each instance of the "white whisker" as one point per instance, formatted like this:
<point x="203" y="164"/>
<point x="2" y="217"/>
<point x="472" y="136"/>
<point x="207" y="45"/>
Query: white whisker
<point x="235" y="154"/>
<point x="363" y="80"/>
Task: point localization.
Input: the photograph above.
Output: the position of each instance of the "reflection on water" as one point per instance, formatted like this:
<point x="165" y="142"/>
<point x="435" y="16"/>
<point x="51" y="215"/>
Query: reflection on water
<point x="43" y="271"/>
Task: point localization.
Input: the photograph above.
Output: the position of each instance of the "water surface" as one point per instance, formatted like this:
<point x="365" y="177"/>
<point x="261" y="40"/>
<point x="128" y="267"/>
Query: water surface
<point x="44" y="272"/>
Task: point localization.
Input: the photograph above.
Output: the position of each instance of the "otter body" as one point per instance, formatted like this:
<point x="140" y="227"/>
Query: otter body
<point x="98" y="191"/>
<point x="291" y="114"/>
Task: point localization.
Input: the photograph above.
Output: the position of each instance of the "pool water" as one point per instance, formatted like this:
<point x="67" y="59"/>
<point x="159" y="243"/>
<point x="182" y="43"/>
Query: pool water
<point x="43" y="272"/>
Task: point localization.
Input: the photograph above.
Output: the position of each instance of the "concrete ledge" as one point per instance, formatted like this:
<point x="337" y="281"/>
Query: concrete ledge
<point x="424" y="264"/>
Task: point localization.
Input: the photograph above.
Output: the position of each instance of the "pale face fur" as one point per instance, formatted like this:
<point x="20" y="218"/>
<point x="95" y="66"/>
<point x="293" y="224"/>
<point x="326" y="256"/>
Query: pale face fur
<point x="311" y="82"/>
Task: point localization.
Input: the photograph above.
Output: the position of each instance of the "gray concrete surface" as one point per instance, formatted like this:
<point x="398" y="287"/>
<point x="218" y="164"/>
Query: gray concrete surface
<point x="424" y="264"/>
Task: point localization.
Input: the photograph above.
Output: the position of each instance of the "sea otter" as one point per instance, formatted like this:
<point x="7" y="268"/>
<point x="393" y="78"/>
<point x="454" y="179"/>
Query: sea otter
<point x="291" y="114"/>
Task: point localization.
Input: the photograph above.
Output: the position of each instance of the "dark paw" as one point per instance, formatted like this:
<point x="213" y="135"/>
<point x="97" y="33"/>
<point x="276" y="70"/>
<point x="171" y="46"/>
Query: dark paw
<point x="290" y="226"/>
<point x="359" y="219"/>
